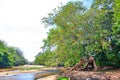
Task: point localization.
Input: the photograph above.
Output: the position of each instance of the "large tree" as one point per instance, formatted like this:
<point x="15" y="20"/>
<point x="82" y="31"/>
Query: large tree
<point x="10" y="56"/>
<point x="78" y="32"/>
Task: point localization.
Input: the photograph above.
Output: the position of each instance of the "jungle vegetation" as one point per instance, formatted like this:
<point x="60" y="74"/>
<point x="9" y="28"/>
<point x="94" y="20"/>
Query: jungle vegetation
<point x="10" y="56"/>
<point x="78" y="32"/>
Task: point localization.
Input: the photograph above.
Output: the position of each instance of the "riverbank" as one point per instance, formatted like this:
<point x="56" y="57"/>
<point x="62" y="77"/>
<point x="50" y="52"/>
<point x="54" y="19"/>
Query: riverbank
<point x="26" y="69"/>
<point x="113" y="74"/>
<point x="51" y="77"/>
<point x="52" y="73"/>
<point x="20" y="70"/>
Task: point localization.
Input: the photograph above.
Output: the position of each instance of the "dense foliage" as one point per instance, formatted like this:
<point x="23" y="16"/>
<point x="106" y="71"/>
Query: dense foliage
<point x="10" y="56"/>
<point x="78" y="32"/>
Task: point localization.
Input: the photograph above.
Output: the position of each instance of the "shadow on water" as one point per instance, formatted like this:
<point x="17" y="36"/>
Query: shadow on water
<point x="29" y="76"/>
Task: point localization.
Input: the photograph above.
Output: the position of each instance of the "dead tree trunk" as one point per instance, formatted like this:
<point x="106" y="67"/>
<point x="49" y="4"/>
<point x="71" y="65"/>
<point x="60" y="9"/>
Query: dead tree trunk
<point x="91" y="65"/>
<point x="78" y="65"/>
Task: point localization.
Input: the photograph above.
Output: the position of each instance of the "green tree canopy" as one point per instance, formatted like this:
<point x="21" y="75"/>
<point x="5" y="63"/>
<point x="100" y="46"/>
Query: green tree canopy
<point x="78" y="32"/>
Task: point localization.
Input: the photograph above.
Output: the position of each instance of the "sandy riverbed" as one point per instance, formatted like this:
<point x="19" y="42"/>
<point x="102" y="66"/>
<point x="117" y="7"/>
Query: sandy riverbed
<point x="48" y="75"/>
<point x="51" y="77"/>
<point x="20" y="70"/>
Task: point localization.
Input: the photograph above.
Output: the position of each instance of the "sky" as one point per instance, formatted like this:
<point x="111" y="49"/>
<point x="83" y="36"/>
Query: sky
<point x="20" y="23"/>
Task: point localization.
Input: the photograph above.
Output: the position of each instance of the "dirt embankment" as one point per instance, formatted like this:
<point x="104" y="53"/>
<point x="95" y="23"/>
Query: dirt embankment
<point x="94" y="75"/>
<point x="51" y="77"/>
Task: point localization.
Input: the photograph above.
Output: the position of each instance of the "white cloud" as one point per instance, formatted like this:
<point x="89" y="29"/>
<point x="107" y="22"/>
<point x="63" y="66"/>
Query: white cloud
<point x="20" y="23"/>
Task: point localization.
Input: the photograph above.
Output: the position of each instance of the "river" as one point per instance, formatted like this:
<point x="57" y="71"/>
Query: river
<point x="26" y="76"/>
<point x="29" y="76"/>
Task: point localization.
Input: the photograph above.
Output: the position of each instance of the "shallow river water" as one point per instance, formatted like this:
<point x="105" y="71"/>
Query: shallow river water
<point x="28" y="76"/>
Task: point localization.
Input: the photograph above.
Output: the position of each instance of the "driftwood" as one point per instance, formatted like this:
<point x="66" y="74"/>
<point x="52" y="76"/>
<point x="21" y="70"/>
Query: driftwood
<point x="90" y="65"/>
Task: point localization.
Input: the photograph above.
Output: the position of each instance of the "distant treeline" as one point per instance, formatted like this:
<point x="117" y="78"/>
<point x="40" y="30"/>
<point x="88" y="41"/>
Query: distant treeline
<point x="10" y="56"/>
<point x="78" y="32"/>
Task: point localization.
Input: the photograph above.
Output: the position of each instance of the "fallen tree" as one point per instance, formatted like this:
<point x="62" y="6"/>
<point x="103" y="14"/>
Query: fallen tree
<point x="89" y="65"/>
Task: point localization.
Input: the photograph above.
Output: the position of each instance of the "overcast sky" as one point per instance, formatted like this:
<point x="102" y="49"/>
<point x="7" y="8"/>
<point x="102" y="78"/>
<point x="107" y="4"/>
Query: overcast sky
<point x="20" y="23"/>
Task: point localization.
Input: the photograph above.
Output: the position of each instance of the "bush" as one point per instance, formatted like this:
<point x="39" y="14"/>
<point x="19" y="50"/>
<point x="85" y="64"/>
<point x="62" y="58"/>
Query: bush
<point x="63" y="78"/>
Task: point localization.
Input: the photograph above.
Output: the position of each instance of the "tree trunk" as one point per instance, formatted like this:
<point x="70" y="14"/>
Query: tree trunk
<point x="90" y="65"/>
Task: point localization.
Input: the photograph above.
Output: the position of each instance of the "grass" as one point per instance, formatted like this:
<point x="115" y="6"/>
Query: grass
<point x="63" y="78"/>
<point x="30" y="68"/>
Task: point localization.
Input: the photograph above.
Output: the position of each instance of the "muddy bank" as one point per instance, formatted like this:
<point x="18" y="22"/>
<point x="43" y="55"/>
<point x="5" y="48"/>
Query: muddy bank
<point x="94" y="75"/>
<point x="51" y="77"/>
